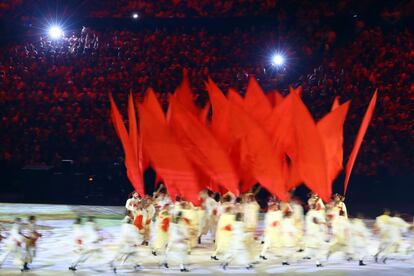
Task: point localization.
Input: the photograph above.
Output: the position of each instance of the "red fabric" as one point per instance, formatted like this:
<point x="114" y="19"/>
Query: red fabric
<point x="138" y="222"/>
<point x="256" y="103"/>
<point x="275" y="223"/>
<point x="220" y="115"/>
<point x="165" y="224"/>
<point x="336" y="103"/>
<point x="166" y="154"/>
<point x="235" y="97"/>
<point x="133" y="128"/>
<point x="260" y="160"/>
<point x="185" y="95"/>
<point x="204" y="113"/>
<point x="311" y="157"/>
<point x="358" y="140"/>
<point x="228" y="227"/>
<point x="330" y="128"/>
<point x="131" y="163"/>
<point x="202" y="147"/>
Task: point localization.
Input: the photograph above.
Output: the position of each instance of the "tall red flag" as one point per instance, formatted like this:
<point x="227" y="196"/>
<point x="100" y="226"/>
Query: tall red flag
<point x="185" y="95"/>
<point x="311" y="157"/>
<point x="133" y="128"/>
<point x="358" y="140"/>
<point x="133" y="172"/>
<point x="261" y="159"/>
<point x="202" y="147"/>
<point x="331" y="129"/>
<point x="256" y="104"/>
<point x="167" y="156"/>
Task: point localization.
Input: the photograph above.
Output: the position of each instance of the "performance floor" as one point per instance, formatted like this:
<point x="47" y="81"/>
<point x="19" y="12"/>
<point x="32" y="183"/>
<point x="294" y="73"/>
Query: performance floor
<point x="55" y="250"/>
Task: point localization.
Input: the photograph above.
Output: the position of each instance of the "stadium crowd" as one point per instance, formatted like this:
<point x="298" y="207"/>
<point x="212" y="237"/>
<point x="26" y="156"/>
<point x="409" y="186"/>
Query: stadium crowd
<point x="54" y="94"/>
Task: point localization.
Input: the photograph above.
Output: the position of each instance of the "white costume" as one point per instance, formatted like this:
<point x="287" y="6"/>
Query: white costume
<point x="272" y="232"/>
<point x="178" y="241"/>
<point x="315" y="234"/>
<point x="224" y="234"/>
<point x="359" y="239"/>
<point x="289" y="239"/>
<point x="88" y="237"/>
<point x="14" y="245"/>
<point x="251" y="215"/>
<point x="129" y="241"/>
<point x="239" y="250"/>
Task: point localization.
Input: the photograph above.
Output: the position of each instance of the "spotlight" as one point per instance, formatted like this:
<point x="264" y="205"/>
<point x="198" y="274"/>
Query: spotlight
<point x="135" y="15"/>
<point x="55" y="32"/>
<point x="278" y="60"/>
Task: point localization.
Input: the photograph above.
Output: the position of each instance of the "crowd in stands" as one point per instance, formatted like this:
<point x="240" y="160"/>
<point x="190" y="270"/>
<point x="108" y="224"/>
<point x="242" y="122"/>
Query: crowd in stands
<point x="54" y="94"/>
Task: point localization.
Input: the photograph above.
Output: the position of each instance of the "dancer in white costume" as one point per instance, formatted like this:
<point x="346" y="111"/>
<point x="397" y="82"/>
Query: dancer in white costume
<point x="161" y="231"/>
<point x="359" y="239"/>
<point x="250" y="209"/>
<point x="129" y="240"/>
<point x="315" y="234"/>
<point x="223" y="234"/>
<point x="178" y="242"/>
<point x="392" y="229"/>
<point x="210" y="215"/>
<point x="86" y="242"/>
<point x="32" y="235"/>
<point x="273" y="231"/>
<point x="341" y="230"/>
<point x="239" y="252"/>
<point x="289" y="237"/>
<point x="14" y="244"/>
<point x="383" y="226"/>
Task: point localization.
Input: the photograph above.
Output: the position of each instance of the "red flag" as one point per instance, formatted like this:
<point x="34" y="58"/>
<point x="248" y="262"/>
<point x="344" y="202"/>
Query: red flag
<point x="331" y="129"/>
<point x="311" y="157"/>
<point x="167" y="157"/>
<point x="133" y="128"/>
<point x="185" y="95"/>
<point x="131" y="164"/>
<point x="358" y="140"/>
<point x="297" y="90"/>
<point x="220" y="114"/>
<point x="274" y="97"/>
<point x="256" y="103"/>
<point x="235" y="97"/>
<point x="202" y="147"/>
<point x="335" y="103"/>
<point x="204" y="113"/>
<point x="262" y="160"/>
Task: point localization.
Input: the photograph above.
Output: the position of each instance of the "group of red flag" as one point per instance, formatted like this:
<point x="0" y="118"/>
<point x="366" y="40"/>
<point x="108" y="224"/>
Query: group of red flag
<point x="235" y="142"/>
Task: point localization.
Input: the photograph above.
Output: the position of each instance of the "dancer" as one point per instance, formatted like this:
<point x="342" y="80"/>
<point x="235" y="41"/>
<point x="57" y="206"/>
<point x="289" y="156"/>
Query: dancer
<point x="341" y="236"/>
<point x="161" y="235"/>
<point x="289" y="237"/>
<point x="178" y="242"/>
<point x="15" y="245"/>
<point x="223" y="234"/>
<point x="129" y="241"/>
<point x="239" y="252"/>
<point x="359" y="239"/>
<point x="86" y="242"/>
<point x="251" y="213"/>
<point x="272" y="231"/>
<point x="32" y="235"/>
<point x="210" y="216"/>
<point x="315" y="234"/>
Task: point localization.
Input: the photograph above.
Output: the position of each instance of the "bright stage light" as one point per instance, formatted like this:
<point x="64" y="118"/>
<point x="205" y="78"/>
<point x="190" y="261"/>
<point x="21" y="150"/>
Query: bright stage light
<point x="135" y="15"/>
<point x="278" y="60"/>
<point x="55" y="32"/>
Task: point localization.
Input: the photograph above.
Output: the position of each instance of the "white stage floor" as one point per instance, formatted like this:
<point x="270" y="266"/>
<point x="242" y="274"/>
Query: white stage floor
<point x="55" y="250"/>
